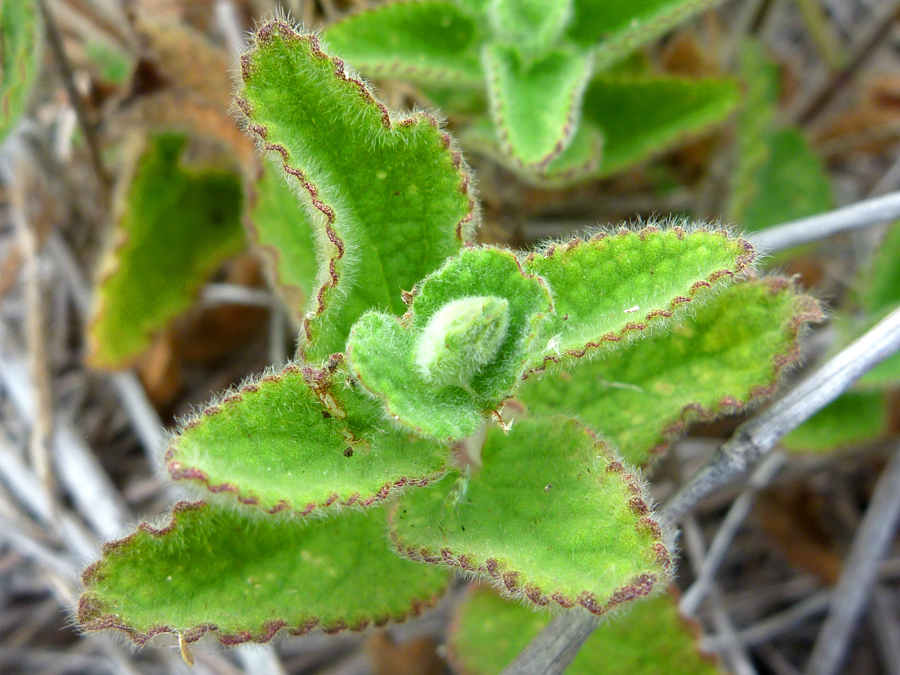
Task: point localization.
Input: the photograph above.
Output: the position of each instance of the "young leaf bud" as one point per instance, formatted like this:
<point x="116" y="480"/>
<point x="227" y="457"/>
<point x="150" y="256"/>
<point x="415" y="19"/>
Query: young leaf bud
<point x="461" y="338"/>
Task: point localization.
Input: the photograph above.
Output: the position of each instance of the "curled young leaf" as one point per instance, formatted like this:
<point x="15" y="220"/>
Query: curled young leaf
<point x="459" y="351"/>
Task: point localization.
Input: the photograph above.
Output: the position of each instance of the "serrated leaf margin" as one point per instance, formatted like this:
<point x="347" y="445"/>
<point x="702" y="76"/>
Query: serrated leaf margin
<point x="508" y="580"/>
<point x="92" y="616"/>
<point x="464" y="228"/>
<point x="632" y="328"/>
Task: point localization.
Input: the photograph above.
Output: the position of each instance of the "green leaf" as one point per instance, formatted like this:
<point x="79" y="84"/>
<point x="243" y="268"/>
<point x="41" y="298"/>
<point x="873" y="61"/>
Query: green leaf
<point x="622" y="27"/>
<point x="429" y="41"/>
<point x="552" y="516"/>
<point x="373" y="182"/>
<point x="854" y="417"/>
<point x="458" y="310"/>
<point x="21" y="30"/>
<point x="612" y="287"/>
<point x="726" y="356"/>
<point x="301" y="440"/>
<point x="246" y="578"/>
<point x="791" y="183"/>
<point x="283" y="234"/>
<point x="578" y="162"/>
<point x="175" y="224"/>
<point x="650" y="638"/>
<point x="114" y="64"/>
<point x="644" y="116"/>
<point x="882" y="279"/>
<point x="777" y="177"/>
<point x="535" y="104"/>
<point x="533" y="25"/>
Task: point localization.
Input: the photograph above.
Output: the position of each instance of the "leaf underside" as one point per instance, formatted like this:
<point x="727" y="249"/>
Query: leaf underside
<point x="372" y="182"/>
<point x="176" y="225"/>
<point x="726" y="356"/>
<point x="853" y="418"/>
<point x="381" y="349"/>
<point x="20" y="59"/>
<point x="301" y="441"/>
<point x="247" y="578"/>
<point x="642" y="117"/>
<point x="428" y="42"/>
<point x="648" y="638"/>
<point x="535" y="105"/>
<point x="613" y="287"/>
<point x="281" y="229"/>
<point x="583" y="532"/>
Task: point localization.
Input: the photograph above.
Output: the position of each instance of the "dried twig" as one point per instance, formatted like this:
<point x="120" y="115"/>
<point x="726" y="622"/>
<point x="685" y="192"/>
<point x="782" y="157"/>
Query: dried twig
<point x="731" y="647"/>
<point x="56" y="46"/>
<point x="727" y="531"/>
<point x="859" y="573"/>
<point x="874" y="211"/>
<point x="884" y="623"/>
<point x="35" y="328"/>
<point x="551" y="652"/>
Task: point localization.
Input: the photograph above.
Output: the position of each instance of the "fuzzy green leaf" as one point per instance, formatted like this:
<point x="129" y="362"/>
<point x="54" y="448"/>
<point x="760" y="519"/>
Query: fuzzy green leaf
<point x="430" y="42"/>
<point x="854" y="417"/>
<point x="300" y="441"/>
<point x="391" y="357"/>
<point x="373" y="182"/>
<point x="533" y="25"/>
<point x="614" y="286"/>
<point x="535" y="104"/>
<point x="21" y="30"/>
<point x="578" y="162"/>
<point x="726" y="356"/>
<point x="642" y="117"/>
<point x="622" y="27"/>
<point x="551" y="516"/>
<point x="246" y="578"/>
<point x="175" y="225"/>
<point x="282" y="232"/>
<point x="648" y="638"/>
<point x="791" y="183"/>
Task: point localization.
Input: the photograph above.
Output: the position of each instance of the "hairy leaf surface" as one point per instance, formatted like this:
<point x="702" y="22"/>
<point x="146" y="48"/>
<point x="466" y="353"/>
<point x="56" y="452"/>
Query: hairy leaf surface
<point x="642" y="117"/>
<point x="648" y="638"/>
<point x="535" y="104"/>
<point x="579" y="161"/>
<point x="614" y="286"/>
<point x="301" y="441"/>
<point x="21" y="30"/>
<point x="246" y="578"/>
<point x="174" y="226"/>
<point x="726" y="356"/>
<point x="282" y="231"/>
<point x="373" y="182"/>
<point x="430" y="42"/>
<point x="551" y="516"/>
<point x="382" y="350"/>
